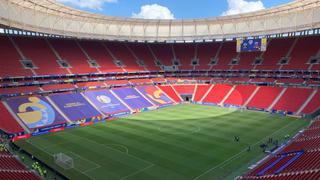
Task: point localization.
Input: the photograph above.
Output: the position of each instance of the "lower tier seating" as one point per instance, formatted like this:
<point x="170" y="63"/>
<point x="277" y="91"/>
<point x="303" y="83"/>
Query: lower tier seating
<point x="217" y="93"/>
<point x="313" y="105"/>
<point x="12" y="169"/>
<point x="170" y="92"/>
<point x="7" y="122"/>
<point x="9" y="162"/>
<point x="200" y="92"/>
<point x="293" y="99"/>
<point x="264" y="97"/>
<point x="240" y="95"/>
<point x="184" y="89"/>
<point x="18" y="175"/>
<point x="299" y="160"/>
<point x="312" y="175"/>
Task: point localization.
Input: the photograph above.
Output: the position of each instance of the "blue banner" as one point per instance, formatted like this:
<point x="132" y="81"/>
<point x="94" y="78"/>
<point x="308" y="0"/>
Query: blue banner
<point x="74" y="106"/>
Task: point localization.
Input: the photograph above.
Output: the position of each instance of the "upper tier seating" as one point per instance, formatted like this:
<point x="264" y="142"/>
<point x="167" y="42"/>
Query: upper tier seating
<point x="15" y="90"/>
<point x="277" y="48"/>
<point x="143" y="53"/>
<point x="44" y="60"/>
<point x="105" y="54"/>
<point x="10" y="60"/>
<point x="205" y="52"/>
<point x="228" y="52"/>
<point x="184" y="53"/>
<point x="97" y="51"/>
<point x="121" y="52"/>
<point x="246" y="60"/>
<point x="162" y="52"/>
<point x="57" y="87"/>
<point x="304" y="49"/>
<point x="69" y="51"/>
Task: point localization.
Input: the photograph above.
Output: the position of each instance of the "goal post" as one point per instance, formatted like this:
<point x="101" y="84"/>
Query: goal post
<point x="63" y="160"/>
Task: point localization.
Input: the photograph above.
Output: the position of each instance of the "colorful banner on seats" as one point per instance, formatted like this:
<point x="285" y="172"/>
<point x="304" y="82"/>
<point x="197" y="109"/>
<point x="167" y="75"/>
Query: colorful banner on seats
<point x="35" y="112"/>
<point x="155" y="95"/>
<point x="74" y="106"/>
<point x="132" y="98"/>
<point x="106" y="102"/>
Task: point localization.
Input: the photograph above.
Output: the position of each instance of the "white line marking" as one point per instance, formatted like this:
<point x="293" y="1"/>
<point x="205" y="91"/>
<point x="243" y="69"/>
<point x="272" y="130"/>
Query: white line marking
<point x="236" y="155"/>
<point x="130" y="155"/>
<point x="85" y="159"/>
<point x="137" y="172"/>
<point x="42" y="149"/>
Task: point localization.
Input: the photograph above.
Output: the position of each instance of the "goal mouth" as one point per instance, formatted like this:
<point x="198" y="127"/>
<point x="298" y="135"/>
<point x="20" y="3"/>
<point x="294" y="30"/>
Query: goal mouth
<point x="63" y="160"/>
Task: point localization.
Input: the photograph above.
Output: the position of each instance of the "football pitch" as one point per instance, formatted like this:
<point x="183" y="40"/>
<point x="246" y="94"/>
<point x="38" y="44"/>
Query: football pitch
<point x="178" y="142"/>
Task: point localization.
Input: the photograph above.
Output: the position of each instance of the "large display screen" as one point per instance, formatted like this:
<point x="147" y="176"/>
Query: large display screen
<point x="251" y="45"/>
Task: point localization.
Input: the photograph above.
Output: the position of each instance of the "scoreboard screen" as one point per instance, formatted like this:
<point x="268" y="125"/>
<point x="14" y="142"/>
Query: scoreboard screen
<point x="251" y="45"/>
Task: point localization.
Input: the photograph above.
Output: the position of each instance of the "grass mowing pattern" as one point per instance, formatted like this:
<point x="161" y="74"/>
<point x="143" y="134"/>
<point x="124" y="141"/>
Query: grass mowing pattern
<point x="179" y="142"/>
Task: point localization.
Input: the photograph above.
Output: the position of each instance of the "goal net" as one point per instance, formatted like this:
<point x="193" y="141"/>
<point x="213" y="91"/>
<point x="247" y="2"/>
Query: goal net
<point x="63" y="160"/>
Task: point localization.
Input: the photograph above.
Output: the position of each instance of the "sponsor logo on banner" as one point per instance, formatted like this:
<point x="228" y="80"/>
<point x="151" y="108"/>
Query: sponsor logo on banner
<point x="208" y="103"/>
<point x="40" y="133"/>
<point x="156" y="95"/>
<point x="104" y="99"/>
<point x="25" y="136"/>
<point x="131" y="97"/>
<point x="51" y="127"/>
<point x="105" y="102"/>
<point x="57" y="129"/>
<point x="73" y="104"/>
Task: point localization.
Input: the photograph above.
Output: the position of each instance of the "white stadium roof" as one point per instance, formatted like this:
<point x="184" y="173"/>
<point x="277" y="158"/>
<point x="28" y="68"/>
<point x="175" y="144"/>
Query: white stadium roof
<point x="51" y="17"/>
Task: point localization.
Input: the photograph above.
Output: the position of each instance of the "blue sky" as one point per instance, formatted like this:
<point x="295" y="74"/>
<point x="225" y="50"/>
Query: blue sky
<point x="169" y="9"/>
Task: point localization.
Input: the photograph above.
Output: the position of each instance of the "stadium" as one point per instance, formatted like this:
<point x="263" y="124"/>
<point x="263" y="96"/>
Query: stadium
<point x="90" y="96"/>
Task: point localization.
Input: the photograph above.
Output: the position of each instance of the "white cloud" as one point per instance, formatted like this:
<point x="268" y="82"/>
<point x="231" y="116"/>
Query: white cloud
<point x="242" y="6"/>
<point x="90" y="4"/>
<point x="153" y="11"/>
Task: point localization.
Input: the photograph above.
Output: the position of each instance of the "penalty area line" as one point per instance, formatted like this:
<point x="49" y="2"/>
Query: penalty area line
<point x="51" y="155"/>
<point x="137" y="172"/>
<point x="85" y="159"/>
<point x="117" y="150"/>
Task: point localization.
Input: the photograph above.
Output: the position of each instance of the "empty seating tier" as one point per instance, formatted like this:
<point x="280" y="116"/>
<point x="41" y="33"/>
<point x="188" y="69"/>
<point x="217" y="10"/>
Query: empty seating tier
<point x="293" y="99"/>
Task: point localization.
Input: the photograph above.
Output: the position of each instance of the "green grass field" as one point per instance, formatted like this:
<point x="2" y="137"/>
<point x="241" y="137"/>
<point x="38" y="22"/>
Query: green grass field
<point x="179" y="142"/>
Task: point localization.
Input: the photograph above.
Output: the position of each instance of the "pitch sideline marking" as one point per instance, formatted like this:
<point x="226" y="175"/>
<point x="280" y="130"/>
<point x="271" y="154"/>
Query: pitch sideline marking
<point x="265" y="138"/>
<point x="236" y="155"/>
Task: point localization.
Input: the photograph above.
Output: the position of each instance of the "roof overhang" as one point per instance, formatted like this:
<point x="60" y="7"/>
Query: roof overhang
<point x="51" y="17"/>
